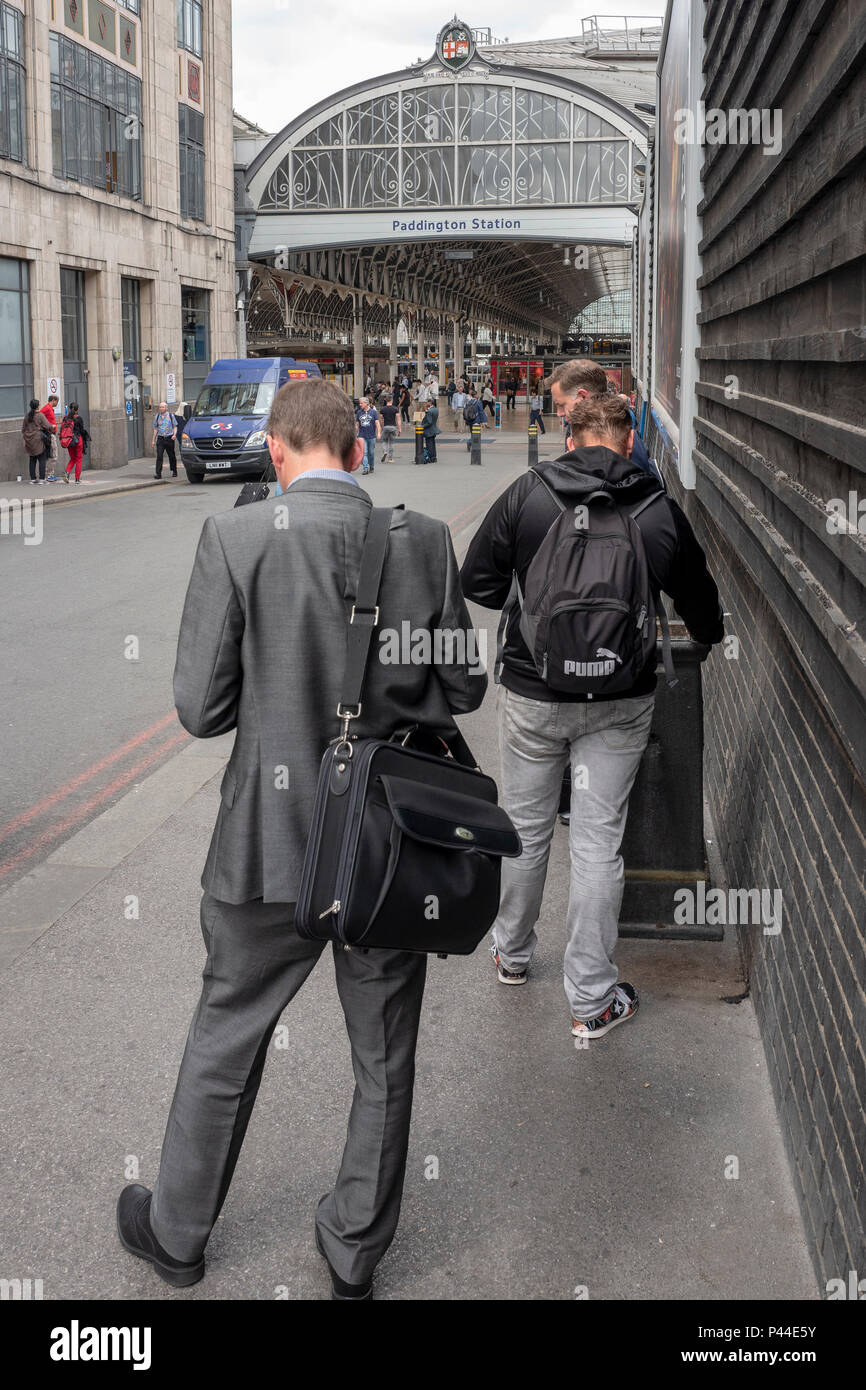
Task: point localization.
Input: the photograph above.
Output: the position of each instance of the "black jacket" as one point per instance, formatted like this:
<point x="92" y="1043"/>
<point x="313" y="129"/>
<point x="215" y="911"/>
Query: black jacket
<point x="517" y="523"/>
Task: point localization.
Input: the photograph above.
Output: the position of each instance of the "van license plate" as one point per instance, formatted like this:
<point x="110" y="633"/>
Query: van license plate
<point x="223" y="463"/>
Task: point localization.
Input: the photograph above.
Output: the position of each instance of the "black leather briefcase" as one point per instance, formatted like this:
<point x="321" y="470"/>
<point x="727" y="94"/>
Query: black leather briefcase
<point x="406" y="846"/>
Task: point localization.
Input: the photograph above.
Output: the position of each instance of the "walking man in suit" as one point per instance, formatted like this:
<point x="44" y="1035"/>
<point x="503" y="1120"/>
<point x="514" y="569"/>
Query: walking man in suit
<point x="261" y="651"/>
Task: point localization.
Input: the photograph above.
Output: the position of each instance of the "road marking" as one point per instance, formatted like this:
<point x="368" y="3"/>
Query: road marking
<point x="93" y="771"/>
<point x="53" y="832"/>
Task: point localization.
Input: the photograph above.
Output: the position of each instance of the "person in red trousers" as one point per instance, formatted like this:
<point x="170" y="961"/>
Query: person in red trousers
<point x="75" y="438"/>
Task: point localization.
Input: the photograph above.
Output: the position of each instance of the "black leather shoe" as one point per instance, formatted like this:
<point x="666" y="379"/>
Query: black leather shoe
<point x="341" y="1292"/>
<point x="133" y="1228"/>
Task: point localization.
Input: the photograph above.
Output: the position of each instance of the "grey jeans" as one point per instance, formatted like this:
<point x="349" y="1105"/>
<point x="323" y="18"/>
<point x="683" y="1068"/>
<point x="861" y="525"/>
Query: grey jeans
<point x="604" y="742"/>
<point x="389" y="434"/>
<point x="256" y="963"/>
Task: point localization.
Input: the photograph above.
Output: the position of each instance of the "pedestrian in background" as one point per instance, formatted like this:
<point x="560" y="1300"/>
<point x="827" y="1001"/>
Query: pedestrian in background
<point x="487" y="398"/>
<point x="164" y="435"/>
<point x="405" y="401"/>
<point x="458" y="401"/>
<point x="474" y="414"/>
<point x="536" y="405"/>
<point x="391" y="428"/>
<point x="431" y="429"/>
<point x="36" y="436"/>
<point x="50" y="414"/>
<point x="511" y="393"/>
<point x="369" y="429"/>
<point x="75" y="439"/>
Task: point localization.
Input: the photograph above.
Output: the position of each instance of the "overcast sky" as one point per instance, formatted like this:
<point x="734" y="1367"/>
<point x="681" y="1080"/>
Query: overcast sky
<point x="288" y="56"/>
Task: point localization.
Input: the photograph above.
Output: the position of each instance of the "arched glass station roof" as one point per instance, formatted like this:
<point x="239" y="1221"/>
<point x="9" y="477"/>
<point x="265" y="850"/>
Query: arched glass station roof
<point x="351" y="205"/>
<point x="455" y="145"/>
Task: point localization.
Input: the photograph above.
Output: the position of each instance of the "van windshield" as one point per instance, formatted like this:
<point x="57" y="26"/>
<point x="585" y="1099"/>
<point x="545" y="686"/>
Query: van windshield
<point x="235" y="398"/>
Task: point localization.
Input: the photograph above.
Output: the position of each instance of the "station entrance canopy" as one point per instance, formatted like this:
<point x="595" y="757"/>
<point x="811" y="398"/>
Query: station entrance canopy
<point x="470" y="188"/>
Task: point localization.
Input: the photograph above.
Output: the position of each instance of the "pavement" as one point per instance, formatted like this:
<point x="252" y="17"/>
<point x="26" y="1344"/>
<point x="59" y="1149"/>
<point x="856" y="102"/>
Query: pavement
<point x="95" y="482"/>
<point x="648" y="1166"/>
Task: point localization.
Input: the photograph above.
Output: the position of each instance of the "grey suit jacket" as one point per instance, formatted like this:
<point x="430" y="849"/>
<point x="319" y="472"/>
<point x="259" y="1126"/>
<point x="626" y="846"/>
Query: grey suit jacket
<point x="262" y="649"/>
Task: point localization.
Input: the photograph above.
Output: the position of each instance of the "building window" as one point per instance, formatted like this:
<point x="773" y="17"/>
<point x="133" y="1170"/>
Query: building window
<point x="189" y="26"/>
<point x="16" y="371"/>
<point x="11" y="84"/>
<point x="195" y="324"/>
<point x="134" y="5"/>
<point x="95" y="120"/>
<point x="191" y="144"/>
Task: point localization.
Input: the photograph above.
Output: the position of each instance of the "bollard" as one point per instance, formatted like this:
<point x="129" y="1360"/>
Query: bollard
<point x="419" y="443"/>
<point x="475" y="452"/>
<point x="533" y="445"/>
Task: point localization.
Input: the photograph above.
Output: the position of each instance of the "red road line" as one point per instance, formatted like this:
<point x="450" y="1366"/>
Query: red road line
<point x="81" y="812"/>
<point x="62" y="792"/>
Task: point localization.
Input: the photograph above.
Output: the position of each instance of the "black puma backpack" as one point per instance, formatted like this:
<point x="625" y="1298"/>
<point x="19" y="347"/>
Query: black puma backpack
<point x="588" y="612"/>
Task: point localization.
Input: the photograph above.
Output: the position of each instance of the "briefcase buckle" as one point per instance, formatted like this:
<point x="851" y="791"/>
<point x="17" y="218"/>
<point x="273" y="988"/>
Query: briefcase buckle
<point x="347" y="713"/>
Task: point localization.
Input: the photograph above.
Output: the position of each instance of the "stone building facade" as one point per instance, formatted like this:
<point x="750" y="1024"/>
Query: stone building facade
<point x="116" y="211"/>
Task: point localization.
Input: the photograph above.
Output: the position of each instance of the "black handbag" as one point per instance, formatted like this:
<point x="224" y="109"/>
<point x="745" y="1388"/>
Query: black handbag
<point x="406" y="843"/>
<point x="254" y="492"/>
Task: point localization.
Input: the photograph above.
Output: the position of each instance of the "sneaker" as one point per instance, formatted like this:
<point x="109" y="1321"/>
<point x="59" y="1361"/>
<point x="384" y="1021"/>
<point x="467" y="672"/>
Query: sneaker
<point x="565" y="818"/>
<point x="507" y="977"/>
<point x="625" y="1005"/>
<point x="66" y="477"/>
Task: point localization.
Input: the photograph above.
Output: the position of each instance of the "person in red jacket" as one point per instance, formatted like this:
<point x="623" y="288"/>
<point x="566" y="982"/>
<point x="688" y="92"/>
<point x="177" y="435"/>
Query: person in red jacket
<point x="75" y="438"/>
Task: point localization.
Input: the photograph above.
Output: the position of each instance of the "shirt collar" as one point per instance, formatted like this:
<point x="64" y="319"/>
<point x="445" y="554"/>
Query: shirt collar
<point x="319" y="473"/>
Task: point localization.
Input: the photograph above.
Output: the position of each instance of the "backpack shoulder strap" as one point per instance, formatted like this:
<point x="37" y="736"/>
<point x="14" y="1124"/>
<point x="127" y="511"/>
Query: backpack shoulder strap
<point x="647" y="502"/>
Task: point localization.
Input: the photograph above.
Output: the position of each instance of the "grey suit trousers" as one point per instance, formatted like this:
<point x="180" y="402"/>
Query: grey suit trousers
<point x="256" y="963"/>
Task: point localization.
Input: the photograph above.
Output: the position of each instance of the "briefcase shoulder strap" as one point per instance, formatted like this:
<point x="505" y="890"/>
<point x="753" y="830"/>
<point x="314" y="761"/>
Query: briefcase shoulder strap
<point x="365" y="614"/>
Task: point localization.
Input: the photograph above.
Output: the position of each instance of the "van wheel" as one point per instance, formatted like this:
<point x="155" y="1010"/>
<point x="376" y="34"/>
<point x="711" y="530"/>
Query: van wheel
<point x="194" y="477"/>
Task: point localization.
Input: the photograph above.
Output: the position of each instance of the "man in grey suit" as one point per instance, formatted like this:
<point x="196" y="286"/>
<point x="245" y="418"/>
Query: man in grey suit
<point x="261" y="650"/>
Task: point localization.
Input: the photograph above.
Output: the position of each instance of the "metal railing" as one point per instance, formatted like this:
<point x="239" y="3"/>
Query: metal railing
<point x="625" y="33"/>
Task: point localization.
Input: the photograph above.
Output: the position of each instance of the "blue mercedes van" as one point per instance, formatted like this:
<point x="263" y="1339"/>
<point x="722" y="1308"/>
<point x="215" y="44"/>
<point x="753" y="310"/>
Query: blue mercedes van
<point x="226" y="431"/>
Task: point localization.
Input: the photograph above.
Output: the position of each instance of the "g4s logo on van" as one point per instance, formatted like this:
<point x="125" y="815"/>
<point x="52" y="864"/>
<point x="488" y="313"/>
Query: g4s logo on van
<point x="220" y="426"/>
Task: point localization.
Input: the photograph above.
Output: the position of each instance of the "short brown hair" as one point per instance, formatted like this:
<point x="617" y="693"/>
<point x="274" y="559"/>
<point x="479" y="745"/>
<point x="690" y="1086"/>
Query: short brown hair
<point x="313" y="412"/>
<point x="579" y="375"/>
<point x="607" y="417"/>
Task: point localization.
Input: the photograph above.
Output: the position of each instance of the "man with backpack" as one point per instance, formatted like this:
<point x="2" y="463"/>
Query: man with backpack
<point x="474" y="414"/>
<point x="576" y="552"/>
